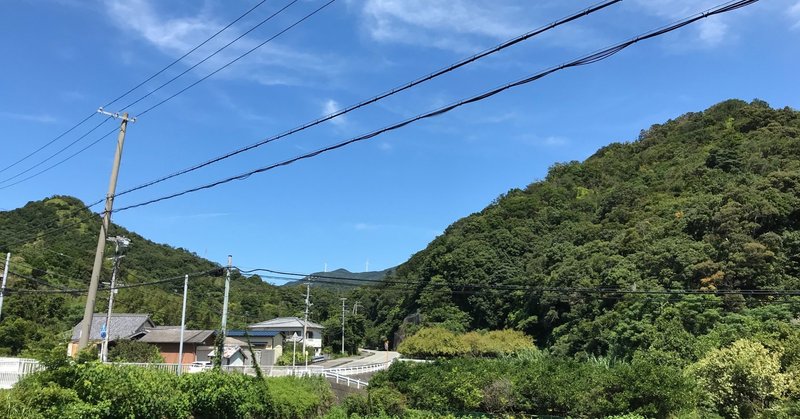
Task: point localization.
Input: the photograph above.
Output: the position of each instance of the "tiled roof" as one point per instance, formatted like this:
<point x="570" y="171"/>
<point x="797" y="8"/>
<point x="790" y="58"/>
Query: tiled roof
<point x="173" y="335"/>
<point x="123" y="325"/>
<point x="282" y="323"/>
<point x="253" y="333"/>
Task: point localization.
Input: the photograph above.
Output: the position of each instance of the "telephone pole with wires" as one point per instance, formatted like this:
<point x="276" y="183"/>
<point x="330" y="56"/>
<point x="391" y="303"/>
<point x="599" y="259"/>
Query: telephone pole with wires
<point x="88" y="312"/>
<point x="119" y="242"/>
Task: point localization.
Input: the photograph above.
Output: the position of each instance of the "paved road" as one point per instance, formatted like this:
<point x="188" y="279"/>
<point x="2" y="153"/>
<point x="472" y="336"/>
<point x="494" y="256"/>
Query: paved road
<point x="373" y="357"/>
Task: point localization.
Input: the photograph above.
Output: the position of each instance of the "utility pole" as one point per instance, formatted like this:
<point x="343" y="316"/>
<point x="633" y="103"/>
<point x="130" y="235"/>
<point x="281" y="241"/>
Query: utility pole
<point x="355" y="307"/>
<point x="225" y="299"/>
<point x="3" y="288"/>
<point x="305" y="320"/>
<point x="183" y="324"/>
<point x="117" y="241"/>
<point x="88" y="312"/>
<point x="343" y="299"/>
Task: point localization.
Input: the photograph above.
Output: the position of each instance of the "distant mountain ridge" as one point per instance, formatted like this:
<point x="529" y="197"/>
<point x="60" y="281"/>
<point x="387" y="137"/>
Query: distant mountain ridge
<point x="334" y="279"/>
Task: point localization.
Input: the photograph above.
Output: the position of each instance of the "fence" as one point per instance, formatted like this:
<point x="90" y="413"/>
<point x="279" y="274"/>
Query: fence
<point x="12" y="369"/>
<point x="349" y="381"/>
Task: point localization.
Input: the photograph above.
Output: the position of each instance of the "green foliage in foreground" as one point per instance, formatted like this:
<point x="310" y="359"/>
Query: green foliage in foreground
<point x="437" y="342"/>
<point x="92" y="390"/>
<point x="743" y="380"/>
<point x="134" y="351"/>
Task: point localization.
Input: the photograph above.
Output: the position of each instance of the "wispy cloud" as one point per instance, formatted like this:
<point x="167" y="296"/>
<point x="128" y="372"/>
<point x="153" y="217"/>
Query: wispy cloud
<point x="330" y="106"/>
<point x="794" y="14"/>
<point x="709" y="32"/>
<point x="40" y="118"/>
<point x="548" y="141"/>
<point x="271" y="64"/>
<point x="440" y="23"/>
<point x="198" y="216"/>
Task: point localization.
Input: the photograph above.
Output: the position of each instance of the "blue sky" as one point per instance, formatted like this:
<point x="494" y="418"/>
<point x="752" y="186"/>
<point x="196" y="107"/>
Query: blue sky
<point x="384" y="199"/>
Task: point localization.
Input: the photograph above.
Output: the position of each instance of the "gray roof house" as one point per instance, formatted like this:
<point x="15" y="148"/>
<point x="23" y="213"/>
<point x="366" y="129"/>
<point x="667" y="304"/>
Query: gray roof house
<point x="123" y="326"/>
<point x="288" y="326"/>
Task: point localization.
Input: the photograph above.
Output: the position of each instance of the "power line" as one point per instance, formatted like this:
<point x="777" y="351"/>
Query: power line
<point x="585" y="60"/>
<point x="63" y="149"/>
<point x="54" y="230"/>
<point x="186" y="54"/>
<point x="48" y="143"/>
<point x="381" y="96"/>
<point x="37" y="281"/>
<point x="511" y="287"/>
<point x="60" y="162"/>
<point x="303" y="19"/>
<point x="132" y="89"/>
<point x="136" y="285"/>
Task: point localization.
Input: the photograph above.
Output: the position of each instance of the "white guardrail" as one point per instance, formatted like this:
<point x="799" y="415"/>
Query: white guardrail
<point x="12" y="369"/>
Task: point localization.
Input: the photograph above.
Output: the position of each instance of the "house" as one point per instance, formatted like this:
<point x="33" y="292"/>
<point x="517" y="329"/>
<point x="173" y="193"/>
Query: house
<point x="121" y="326"/>
<point x="167" y="339"/>
<point x="286" y="327"/>
<point x="266" y="344"/>
<point x="234" y="353"/>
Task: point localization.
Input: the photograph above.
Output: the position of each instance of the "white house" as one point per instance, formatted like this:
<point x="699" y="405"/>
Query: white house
<point x="287" y="326"/>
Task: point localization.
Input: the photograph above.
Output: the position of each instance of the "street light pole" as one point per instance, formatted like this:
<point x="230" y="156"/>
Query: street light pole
<point x="343" y="299"/>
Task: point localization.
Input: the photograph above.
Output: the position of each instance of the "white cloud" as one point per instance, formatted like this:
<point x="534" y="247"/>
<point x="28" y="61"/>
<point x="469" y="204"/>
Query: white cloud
<point x="794" y="14"/>
<point x="330" y="106"/>
<point x="441" y="23"/>
<point x="710" y="32"/>
<point x="384" y="146"/>
<point x="40" y="118"/>
<point x="549" y="141"/>
<point x="270" y="64"/>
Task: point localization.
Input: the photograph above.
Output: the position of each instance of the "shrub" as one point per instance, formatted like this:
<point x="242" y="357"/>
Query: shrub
<point x="742" y="379"/>
<point x="299" y="397"/>
<point x="433" y="342"/>
<point x="131" y="391"/>
<point x="213" y="394"/>
<point x="356" y="404"/>
<point x="387" y="401"/>
<point x="134" y="351"/>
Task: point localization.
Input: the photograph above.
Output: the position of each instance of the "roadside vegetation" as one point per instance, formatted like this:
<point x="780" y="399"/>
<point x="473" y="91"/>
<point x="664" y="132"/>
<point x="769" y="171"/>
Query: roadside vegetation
<point x="87" y="389"/>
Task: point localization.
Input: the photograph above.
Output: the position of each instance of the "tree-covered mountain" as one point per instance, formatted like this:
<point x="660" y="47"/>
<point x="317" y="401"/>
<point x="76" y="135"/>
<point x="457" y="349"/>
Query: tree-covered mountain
<point x="53" y="243"/>
<point x="707" y="201"/>
<point x="338" y="278"/>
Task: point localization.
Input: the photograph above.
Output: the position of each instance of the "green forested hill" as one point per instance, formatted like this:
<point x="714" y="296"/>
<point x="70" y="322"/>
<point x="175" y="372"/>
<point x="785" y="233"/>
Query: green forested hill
<point x="707" y="201"/>
<point x="64" y="258"/>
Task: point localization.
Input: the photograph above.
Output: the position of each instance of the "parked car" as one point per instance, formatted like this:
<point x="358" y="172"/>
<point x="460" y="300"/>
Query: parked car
<point x="199" y="366"/>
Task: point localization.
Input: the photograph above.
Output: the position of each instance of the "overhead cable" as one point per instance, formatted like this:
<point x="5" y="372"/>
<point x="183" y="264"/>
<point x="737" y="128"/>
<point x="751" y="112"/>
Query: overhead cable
<point x="63" y="149"/>
<point x="246" y="53"/>
<point x="381" y="96"/>
<point x="132" y="89"/>
<point x="186" y="54"/>
<point x="587" y="59"/>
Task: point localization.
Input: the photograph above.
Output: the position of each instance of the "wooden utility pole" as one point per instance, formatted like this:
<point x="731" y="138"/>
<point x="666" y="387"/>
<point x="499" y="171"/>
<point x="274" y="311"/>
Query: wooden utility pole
<point x="88" y="312"/>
